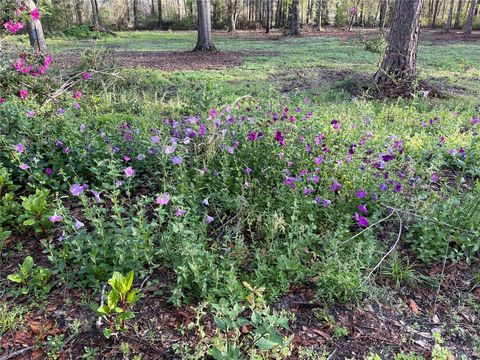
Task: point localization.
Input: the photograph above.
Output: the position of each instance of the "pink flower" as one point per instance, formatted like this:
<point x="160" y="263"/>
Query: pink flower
<point x="163" y="199"/>
<point x="86" y="75"/>
<point x="23" y="94"/>
<point x="35" y="14"/>
<point x="13" y="27"/>
<point x="129" y="171"/>
<point x="20" y="148"/>
<point x="55" y="218"/>
<point x="48" y="60"/>
<point x="2" y="100"/>
<point x="24" y="167"/>
<point x="77" y="95"/>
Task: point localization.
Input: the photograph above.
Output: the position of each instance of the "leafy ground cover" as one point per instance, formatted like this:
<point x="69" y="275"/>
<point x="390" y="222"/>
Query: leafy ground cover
<point x="264" y="210"/>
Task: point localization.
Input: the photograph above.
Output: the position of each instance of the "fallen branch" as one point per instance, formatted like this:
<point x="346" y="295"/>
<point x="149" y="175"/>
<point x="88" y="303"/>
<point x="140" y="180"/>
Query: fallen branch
<point x="368" y="228"/>
<point x="16" y="353"/>
<point x="391" y="249"/>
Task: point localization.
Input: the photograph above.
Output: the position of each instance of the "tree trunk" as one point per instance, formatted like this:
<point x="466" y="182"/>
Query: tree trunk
<point x="135" y="14"/>
<point x="232" y="9"/>
<point x="319" y="15"/>
<point x="383" y="13"/>
<point x="78" y="12"/>
<point x="448" y="24"/>
<point x="160" y="19"/>
<point x="96" y="21"/>
<point x="399" y="65"/>
<point x="471" y="15"/>
<point x="458" y="17"/>
<point x="294" y="19"/>
<point x="435" y="13"/>
<point x="267" y="28"/>
<point x="35" y="30"/>
<point x="152" y="8"/>
<point x="204" y="39"/>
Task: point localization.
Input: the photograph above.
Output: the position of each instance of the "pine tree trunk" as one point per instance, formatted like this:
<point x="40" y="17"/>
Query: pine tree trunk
<point x="448" y="24"/>
<point x="160" y="14"/>
<point x="294" y="19"/>
<point x="471" y="15"/>
<point x="96" y="21"/>
<point x="267" y="28"/>
<point x="135" y="14"/>
<point x="458" y="16"/>
<point x="383" y="13"/>
<point x="319" y="15"/>
<point x="35" y="30"/>
<point x="204" y="39"/>
<point x="399" y="65"/>
<point x="435" y="14"/>
<point x="78" y="12"/>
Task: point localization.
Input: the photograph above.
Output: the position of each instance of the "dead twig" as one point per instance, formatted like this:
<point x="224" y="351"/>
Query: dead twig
<point x="391" y="249"/>
<point x="16" y="353"/>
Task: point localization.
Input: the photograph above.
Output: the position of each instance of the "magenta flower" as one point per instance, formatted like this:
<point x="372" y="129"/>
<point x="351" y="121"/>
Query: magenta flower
<point x="55" y="218"/>
<point x="361" y="194"/>
<point x="24" y="167"/>
<point x="23" y="94"/>
<point x="35" y="14"/>
<point x="129" y="172"/>
<point x="86" y="75"/>
<point x="163" y="199"/>
<point x="2" y="100"/>
<point x="13" y="27"/>
<point x="335" y="124"/>
<point x="48" y="171"/>
<point x="77" y="95"/>
<point x="248" y="170"/>
<point x="252" y="136"/>
<point x="335" y="187"/>
<point x="279" y="137"/>
<point x="362" y="208"/>
<point x="361" y="220"/>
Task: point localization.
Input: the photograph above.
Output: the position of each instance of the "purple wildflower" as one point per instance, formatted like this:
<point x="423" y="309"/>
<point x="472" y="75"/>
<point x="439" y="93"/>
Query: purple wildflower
<point x="163" y="199"/>
<point x="129" y="171"/>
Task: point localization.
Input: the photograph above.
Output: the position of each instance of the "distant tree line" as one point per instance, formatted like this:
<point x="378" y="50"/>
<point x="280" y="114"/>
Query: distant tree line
<point x="293" y="15"/>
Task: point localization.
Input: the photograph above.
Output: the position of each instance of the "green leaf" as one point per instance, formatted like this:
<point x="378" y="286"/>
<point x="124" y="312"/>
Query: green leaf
<point x="220" y="323"/>
<point x="107" y="333"/>
<point x="29" y="222"/>
<point x="15" y="278"/>
<point x="112" y="299"/>
<point x="128" y="281"/>
<point x="27" y="264"/>
<point x="266" y="344"/>
<point x="256" y="318"/>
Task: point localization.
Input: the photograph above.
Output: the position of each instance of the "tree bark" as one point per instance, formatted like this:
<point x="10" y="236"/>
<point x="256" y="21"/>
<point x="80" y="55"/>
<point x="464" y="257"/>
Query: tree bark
<point x="319" y="15"/>
<point x="267" y="27"/>
<point x="294" y="19"/>
<point x="448" y="24"/>
<point x="152" y="8"/>
<point x="204" y="39"/>
<point x="78" y="11"/>
<point x="458" y="16"/>
<point x="232" y="10"/>
<point x="135" y="14"/>
<point x="435" y="13"/>
<point x="471" y="15"/>
<point x="383" y="13"/>
<point x="35" y="30"/>
<point x="96" y="21"/>
<point x="160" y="14"/>
<point x="399" y="65"/>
